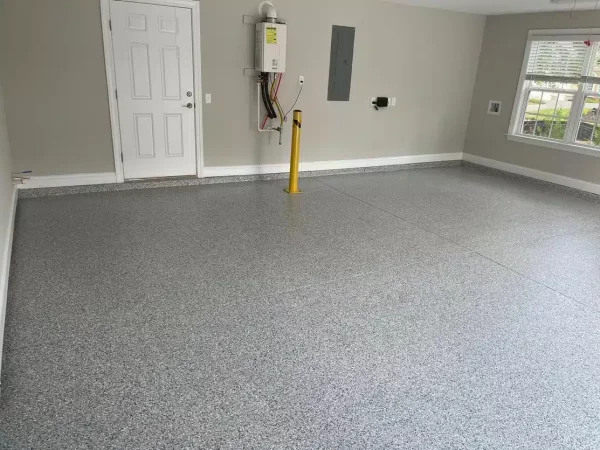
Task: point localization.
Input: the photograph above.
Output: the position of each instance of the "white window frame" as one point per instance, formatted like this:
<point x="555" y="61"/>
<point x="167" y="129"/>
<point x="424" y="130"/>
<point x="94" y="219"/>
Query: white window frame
<point x="522" y="94"/>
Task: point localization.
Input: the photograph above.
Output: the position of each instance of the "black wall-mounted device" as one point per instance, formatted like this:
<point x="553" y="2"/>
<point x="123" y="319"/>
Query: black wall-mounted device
<point x="381" y="102"/>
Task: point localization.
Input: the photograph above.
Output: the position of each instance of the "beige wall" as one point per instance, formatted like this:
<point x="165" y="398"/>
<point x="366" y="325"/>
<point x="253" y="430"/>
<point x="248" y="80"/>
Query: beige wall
<point x="499" y="69"/>
<point x="57" y="99"/>
<point x="55" y="81"/>
<point x="425" y="58"/>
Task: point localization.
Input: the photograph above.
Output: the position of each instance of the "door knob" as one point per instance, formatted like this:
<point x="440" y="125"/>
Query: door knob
<point x="189" y="105"/>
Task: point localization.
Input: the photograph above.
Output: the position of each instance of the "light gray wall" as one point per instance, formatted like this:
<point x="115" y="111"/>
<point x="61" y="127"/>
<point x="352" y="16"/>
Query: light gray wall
<point x="425" y="58"/>
<point x="497" y="79"/>
<point x="55" y="83"/>
<point x="57" y="100"/>
<point x="6" y="205"/>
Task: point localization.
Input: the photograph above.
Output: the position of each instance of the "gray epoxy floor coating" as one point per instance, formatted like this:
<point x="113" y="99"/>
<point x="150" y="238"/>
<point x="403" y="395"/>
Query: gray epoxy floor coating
<point x="428" y="309"/>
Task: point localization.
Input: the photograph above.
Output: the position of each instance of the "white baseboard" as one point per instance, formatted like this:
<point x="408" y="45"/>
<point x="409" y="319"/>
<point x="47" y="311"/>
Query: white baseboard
<point x="223" y="171"/>
<point x="81" y="179"/>
<point x="78" y="179"/>
<point x="5" y="268"/>
<point x="533" y="173"/>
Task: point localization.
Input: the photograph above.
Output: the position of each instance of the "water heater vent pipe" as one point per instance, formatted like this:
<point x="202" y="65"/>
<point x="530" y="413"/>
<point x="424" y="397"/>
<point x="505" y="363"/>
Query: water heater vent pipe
<point x="271" y="13"/>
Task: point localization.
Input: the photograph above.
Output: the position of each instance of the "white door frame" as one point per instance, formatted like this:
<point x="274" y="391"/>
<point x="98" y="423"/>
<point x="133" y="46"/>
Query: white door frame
<point x="194" y="6"/>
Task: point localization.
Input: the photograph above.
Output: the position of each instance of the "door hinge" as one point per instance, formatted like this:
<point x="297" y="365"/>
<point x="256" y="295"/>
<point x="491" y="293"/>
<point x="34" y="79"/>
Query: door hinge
<point x="116" y="94"/>
<point x="110" y="25"/>
<point x="122" y="157"/>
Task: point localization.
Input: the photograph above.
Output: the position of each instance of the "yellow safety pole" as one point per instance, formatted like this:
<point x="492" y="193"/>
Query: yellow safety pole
<point x="295" y="157"/>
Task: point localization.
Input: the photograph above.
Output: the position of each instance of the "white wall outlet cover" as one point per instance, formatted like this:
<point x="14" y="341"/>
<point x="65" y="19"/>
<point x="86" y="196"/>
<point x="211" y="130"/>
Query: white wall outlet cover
<point x="301" y="79"/>
<point x="208" y="98"/>
<point x="495" y="107"/>
<point x="393" y="101"/>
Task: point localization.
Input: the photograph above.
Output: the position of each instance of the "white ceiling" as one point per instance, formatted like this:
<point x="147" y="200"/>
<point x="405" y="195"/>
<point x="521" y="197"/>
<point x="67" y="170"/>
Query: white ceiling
<point x="498" y="6"/>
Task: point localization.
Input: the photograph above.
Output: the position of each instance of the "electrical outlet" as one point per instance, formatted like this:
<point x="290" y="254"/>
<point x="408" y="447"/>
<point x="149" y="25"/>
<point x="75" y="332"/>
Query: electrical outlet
<point x="301" y="79"/>
<point x="495" y="107"/>
<point x="393" y="101"/>
<point x="208" y="98"/>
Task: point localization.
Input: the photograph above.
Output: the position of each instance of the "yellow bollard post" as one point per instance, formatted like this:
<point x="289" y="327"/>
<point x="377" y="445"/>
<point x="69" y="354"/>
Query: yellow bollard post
<point x="295" y="157"/>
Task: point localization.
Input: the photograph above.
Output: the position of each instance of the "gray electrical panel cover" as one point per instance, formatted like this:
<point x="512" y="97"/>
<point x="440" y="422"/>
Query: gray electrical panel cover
<point x="340" y="63"/>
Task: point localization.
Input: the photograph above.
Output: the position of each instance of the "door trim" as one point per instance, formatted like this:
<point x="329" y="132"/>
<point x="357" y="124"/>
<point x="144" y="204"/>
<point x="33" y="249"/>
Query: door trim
<point x="109" y="61"/>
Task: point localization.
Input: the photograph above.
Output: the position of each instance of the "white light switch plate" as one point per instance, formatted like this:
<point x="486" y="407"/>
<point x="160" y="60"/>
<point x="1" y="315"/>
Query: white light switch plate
<point x="208" y="98"/>
<point x="393" y="101"/>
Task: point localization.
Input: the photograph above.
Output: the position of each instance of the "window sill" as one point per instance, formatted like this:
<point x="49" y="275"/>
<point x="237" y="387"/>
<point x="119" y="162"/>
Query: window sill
<point x="582" y="150"/>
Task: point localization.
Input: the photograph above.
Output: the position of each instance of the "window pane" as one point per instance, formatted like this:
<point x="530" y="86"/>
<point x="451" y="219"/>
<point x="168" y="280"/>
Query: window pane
<point x="595" y="66"/>
<point x="585" y="132"/>
<point x="555" y="85"/>
<point x="590" y="109"/>
<point x="592" y="88"/>
<point x="564" y="102"/>
<point x="548" y="104"/>
<point x="588" y="133"/>
<point x="559" y="128"/>
<point x="529" y="123"/>
<point x="543" y="125"/>
<point x="547" y="114"/>
<point x="534" y="102"/>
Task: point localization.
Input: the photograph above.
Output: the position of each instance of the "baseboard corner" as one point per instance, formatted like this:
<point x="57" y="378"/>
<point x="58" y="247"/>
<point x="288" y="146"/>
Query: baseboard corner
<point x="528" y="172"/>
<point x="77" y="179"/>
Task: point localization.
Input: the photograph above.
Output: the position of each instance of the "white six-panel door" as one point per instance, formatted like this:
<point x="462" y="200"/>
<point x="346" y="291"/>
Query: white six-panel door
<point x="154" y="69"/>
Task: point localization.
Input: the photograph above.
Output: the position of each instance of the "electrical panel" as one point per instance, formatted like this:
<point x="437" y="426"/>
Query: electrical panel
<point x="340" y="63"/>
<point x="271" y="41"/>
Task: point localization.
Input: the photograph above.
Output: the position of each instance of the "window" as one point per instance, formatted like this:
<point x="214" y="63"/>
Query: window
<point x="558" y="100"/>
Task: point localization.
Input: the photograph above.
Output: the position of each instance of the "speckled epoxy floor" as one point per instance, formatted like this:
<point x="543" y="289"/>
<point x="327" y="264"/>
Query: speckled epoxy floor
<point x="429" y="309"/>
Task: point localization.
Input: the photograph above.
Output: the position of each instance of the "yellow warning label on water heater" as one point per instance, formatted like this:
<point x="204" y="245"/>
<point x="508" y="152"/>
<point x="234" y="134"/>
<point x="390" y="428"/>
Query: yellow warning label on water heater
<point x="271" y="35"/>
